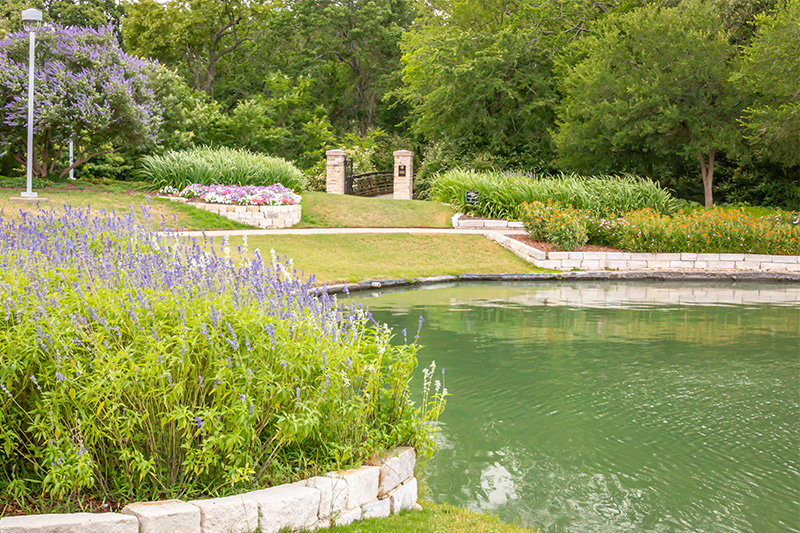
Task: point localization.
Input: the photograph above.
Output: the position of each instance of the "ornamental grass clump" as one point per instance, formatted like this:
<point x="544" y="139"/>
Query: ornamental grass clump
<point x="502" y="194"/>
<point x="224" y="166"/>
<point x="143" y="366"/>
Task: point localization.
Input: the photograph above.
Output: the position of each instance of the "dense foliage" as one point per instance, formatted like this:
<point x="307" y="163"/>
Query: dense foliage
<point x="219" y="166"/>
<point x="713" y="230"/>
<point x="696" y="95"/>
<point x="501" y="195"/>
<point x="137" y="366"/>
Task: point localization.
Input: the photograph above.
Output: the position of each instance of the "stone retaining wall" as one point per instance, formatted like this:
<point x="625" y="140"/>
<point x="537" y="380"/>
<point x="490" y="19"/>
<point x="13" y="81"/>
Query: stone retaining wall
<point x="263" y="216"/>
<point x="645" y="261"/>
<point x="338" y="498"/>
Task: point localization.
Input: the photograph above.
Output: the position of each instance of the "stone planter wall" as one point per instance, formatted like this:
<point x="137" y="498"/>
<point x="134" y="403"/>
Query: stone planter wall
<point x="263" y="216"/>
<point x="646" y="261"/>
<point x="338" y="498"/>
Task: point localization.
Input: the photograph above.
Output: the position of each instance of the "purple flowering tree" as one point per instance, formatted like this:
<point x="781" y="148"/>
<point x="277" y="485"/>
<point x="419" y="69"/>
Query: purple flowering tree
<point x="86" y="89"/>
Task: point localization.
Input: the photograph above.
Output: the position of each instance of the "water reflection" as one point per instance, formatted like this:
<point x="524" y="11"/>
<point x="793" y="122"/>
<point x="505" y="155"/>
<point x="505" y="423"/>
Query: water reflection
<point x="616" y="407"/>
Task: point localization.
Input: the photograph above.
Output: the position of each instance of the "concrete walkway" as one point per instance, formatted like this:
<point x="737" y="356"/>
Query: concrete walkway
<point x="329" y="231"/>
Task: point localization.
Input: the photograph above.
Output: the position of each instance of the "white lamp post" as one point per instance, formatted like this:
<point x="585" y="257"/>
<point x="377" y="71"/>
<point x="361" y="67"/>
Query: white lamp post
<point x="30" y="15"/>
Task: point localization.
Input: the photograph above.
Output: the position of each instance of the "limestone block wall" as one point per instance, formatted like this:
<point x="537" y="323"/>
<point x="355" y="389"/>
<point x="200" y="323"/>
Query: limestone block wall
<point x="648" y="261"/>
<point x="338" y="498"/>
<point x="262" y="216"/>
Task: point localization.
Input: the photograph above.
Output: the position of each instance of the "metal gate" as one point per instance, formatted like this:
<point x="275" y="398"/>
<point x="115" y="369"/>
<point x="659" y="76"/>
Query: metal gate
<point x="368" y="184"/>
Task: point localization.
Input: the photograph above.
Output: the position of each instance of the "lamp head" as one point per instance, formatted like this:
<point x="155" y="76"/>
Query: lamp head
<point x="31" y="15"/>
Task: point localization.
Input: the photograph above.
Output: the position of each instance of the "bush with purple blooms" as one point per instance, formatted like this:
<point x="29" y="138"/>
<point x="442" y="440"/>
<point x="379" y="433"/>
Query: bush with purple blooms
<point x="275" y="194"/>
<point x="86" y="89"/>
<point x="140" y="366"/>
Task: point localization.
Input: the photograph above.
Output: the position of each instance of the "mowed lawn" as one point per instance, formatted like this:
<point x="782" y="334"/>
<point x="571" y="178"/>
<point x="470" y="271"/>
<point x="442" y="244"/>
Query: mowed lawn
<point x="339" y="211"/>
<point x="364" y="256"/>
<point x="319" y="209"/>
<point x="120" y="197"/>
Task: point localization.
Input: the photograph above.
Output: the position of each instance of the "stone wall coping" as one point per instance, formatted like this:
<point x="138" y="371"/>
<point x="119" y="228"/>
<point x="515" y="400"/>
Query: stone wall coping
<point x="317" y="502"/>
<point x="336" y="152"/>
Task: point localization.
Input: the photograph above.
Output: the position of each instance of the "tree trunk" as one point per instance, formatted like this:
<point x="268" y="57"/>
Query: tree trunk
<point x="707" y="170"/>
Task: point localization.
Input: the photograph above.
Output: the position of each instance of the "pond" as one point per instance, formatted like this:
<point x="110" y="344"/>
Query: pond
<point x="614" y="406"/>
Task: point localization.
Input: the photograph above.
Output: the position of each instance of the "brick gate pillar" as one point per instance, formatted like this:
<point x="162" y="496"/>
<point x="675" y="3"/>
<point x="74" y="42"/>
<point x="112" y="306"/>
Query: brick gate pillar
<point x="334" y="175"/>
<point x="403" y="174"/>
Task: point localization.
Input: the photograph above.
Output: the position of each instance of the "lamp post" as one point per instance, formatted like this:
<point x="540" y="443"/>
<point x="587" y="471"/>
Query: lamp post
<point x="30" y="15"/>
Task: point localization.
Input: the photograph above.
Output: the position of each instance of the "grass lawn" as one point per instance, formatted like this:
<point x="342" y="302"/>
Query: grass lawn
<point x="358" y="257"/>
<point x="120" y="197"/>
<point x="432" y="519"/>
<point x="319" y="209"/>
<point x="338" y="211"/>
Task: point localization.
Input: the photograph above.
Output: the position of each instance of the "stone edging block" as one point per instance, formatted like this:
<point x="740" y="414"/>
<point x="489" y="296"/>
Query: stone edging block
<point x="289" y="506"/>
<point x="169" y="516"/>
<point x="397" y="467"/>
<point x="362" y="484"/>
<point x="231" y="514"/>
<point x="70" y="523"/>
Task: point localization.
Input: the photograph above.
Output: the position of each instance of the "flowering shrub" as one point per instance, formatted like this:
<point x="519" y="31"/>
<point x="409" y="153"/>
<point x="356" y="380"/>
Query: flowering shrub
<point x="87" y="89"/>
<point x="138" y="366"/>
<point x="275" y="194"/>
<point x="552" y="222"/>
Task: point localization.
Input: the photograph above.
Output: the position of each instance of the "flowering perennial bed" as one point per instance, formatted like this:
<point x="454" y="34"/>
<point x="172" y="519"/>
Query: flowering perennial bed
<point x="138" y="366"/>
<point x="275" y="194"/>
<point x="713" y="230"/>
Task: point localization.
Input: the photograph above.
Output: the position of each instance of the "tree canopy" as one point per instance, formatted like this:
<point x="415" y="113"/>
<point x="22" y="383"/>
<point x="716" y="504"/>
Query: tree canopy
<point x="86" y="89"/>
<point x="649" y="84"/>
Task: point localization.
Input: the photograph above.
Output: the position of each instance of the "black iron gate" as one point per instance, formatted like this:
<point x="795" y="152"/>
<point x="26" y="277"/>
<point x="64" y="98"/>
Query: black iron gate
<point x="367" y="184"/>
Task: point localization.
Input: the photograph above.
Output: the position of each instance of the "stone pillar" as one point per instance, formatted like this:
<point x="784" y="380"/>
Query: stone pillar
<point x="334" y="177"/>
<point x="403" y="174"/>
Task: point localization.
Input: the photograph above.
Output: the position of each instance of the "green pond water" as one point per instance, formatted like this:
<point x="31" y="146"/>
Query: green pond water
<point x="614" y="406"/>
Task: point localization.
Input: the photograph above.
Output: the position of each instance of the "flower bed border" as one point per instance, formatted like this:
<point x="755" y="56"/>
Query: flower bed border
<point x="377" y="490"/>
<point x="648" y="261"/>
<point x="565" y="261"/>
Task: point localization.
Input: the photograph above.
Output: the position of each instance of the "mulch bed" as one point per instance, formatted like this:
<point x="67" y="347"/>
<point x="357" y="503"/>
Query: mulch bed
<point x="548" y="247"/>
<point x="82" y="504"/>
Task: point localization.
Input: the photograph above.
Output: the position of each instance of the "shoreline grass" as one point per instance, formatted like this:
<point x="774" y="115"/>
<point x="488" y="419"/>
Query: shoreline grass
<point x="433" y="518"/>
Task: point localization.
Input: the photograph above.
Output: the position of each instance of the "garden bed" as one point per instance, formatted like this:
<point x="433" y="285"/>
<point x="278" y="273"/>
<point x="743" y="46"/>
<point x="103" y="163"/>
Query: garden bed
<point x="267" y="207"/>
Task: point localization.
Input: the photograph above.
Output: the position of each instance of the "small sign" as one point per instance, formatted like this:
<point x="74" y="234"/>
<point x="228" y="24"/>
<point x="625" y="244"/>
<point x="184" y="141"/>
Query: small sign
<point x="471" y="197"/>
<point x="401" y="171"/>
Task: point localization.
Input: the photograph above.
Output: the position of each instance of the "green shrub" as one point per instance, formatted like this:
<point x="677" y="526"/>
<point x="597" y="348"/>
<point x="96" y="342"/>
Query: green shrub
<point x="554" y="223"/>
<point x="501" y="195"/>
<point x="224" y="166"/>
<point x="140" y="367"/>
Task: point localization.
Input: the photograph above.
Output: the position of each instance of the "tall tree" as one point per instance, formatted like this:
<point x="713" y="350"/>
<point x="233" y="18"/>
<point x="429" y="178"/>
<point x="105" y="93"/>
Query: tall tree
<point x="482" y="72"/>
<point x="651" y="83"/>
<point x="769" y="74"/>
<point x="191" y="34"/>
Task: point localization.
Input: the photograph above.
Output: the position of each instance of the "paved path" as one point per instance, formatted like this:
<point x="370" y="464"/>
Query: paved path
<point x="327" y="231"/>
